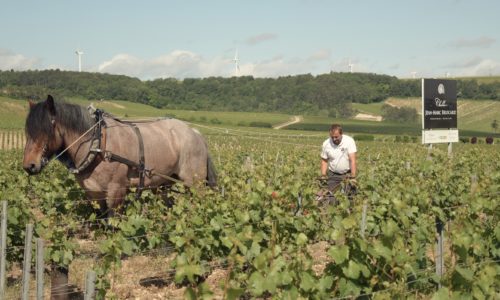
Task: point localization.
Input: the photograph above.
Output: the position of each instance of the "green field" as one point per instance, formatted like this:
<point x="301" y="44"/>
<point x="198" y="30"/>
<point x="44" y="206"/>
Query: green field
<point x="13" y="113"/>
<point x="475" y="116"/>
<point x="352" y="126"/>
<point x="482" y="79"/>
<point x="369" y="108"/>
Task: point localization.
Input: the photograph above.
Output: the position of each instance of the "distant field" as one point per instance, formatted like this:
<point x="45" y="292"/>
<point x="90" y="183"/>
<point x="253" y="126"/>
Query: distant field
<point x="482" y="79"/>
<point x="13" y="113"/>
<point x="371" y="108"/>
<point x="126" y="109"/>
<point x="473" y="115"/>
<point x="357" y="126"/>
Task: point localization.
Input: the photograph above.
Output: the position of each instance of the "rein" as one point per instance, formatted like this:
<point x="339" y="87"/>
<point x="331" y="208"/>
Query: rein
<point x="46" y="161"/>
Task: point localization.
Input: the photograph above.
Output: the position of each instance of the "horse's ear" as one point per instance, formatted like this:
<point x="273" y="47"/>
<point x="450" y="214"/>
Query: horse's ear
<point x="49" y="103"/>
<point x="31" y="103"/>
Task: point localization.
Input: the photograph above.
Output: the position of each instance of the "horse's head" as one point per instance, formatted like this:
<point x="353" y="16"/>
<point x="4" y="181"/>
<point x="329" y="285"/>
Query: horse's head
<point x="42" y="137"/>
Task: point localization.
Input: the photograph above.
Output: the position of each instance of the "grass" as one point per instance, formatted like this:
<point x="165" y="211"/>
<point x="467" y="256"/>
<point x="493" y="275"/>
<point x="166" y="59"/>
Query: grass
<point x="357" y="126"/>
<point x="482" y="79"/>
<point x="370" y="108"/>
<point x="13" y="113"/>
<point x="475" y="116"/>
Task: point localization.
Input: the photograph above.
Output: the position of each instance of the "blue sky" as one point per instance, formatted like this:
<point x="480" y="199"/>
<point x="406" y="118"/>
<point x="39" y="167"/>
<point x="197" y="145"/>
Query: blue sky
<point x="158" y="39"/>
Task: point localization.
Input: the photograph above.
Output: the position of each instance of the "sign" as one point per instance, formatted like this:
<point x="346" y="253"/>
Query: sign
<point x="439" y="111"/>
<point x="440" y="136"/>
<point x="439" y="104"/>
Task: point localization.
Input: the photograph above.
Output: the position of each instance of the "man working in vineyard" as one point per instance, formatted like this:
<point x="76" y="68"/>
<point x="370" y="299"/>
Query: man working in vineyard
<point x="338" y="158"/>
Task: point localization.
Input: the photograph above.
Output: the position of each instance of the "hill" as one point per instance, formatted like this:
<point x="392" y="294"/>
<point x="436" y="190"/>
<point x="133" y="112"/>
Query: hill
<point x="13" y="113"/>
<point x="475" y="116"/>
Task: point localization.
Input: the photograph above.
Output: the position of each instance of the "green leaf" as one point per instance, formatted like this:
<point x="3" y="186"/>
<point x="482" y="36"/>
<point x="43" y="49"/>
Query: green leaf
<point x="380" y="250"/>
<point x="226" y="242"/>
<point x="307" y="281"/>
<point x="441" y="294"/>
<point x="256" y="282"/>
<point x="234" y="293"/>
<point x="325" y="283"/>
<point x="339" y="253"/>
<point x="301" y="239"/>
<point x="352" y="270"/>
<point x="349" y="222"/>
<point x="190" y="294"/>
<point x="467" y="274"/>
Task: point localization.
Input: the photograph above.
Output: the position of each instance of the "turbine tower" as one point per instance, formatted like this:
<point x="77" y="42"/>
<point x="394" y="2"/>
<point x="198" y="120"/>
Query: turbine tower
<point x="413" y="73"/>
<point x="236" y="64"/>
<point x="79" y="53"/>
<point x="350" y="65"/>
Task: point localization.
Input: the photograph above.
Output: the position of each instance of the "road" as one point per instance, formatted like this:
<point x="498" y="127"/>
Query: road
<point x="294" y="120"/>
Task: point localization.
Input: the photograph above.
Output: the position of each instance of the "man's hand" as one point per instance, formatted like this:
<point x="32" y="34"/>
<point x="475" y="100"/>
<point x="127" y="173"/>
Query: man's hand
<point x="352" y="180"/>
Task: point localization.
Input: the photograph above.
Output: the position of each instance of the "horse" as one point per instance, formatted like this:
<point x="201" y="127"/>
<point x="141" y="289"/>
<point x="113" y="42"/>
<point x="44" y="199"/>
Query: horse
<point x="110" y="156"/>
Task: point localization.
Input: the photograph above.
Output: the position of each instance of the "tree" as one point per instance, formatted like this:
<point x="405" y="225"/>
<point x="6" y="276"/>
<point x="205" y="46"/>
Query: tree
<point x="494" y="125"/>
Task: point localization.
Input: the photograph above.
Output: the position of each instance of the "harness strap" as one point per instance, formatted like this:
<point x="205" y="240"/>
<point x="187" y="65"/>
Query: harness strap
<point x="95" y="144"/>
<point x="108" y="155"/>
<point x="141" y="166"/>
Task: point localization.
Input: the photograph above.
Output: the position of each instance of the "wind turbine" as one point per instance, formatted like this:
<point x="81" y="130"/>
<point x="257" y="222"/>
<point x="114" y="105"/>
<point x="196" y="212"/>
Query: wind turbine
<point x="236" y="64"/>
<point x="349" y="65"/>
<point x="79" y="53"/>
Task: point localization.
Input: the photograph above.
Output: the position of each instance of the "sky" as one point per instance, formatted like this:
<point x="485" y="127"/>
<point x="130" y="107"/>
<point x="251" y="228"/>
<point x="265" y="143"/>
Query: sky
<point x="197" y="39"/>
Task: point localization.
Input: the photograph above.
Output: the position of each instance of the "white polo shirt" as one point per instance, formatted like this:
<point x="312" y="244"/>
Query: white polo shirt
<point x="338" y="155"/>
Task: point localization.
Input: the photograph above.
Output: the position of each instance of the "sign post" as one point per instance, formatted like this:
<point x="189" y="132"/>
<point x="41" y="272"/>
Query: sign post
<point x="439" y="112"/>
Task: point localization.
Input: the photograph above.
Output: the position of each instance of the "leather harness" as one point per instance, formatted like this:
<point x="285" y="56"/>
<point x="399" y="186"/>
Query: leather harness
<point x="98" y="146"/>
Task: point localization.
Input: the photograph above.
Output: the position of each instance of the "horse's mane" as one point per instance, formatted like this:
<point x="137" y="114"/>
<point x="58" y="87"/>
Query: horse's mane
<point x="70" y="116"/>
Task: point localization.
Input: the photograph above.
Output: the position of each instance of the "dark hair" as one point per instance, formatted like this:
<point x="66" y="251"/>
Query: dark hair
<point x="74" y="117"/>
<point x="336" y="127"/>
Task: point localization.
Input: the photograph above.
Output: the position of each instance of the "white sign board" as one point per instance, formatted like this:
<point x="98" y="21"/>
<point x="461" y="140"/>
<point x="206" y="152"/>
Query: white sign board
<point x="440" y="136"/>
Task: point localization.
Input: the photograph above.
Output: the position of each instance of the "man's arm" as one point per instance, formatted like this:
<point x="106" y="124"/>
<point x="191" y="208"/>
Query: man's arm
<point x="352" y="162"/>
<point x="324" y="167"/>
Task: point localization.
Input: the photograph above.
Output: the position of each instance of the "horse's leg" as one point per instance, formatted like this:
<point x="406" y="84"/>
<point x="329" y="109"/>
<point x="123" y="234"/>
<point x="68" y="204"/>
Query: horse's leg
<point x="163" y="192"/>
<point x="100" y="197"/>
<point x="115" y="197"/>
<point x="192" y="170"/>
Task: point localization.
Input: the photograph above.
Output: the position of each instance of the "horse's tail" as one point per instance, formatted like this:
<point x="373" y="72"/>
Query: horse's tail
<point x="211" y="173"/>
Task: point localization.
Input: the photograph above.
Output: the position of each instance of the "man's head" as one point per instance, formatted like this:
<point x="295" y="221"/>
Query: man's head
<point x="336" y="133"/>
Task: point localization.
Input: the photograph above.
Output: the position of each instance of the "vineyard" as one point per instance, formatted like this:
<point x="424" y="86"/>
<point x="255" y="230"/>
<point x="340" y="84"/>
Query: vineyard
<point x="261" y="234"/>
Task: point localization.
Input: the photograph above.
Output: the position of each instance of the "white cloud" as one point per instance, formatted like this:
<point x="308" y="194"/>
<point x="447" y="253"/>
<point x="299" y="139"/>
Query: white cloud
<point x="485" y="67"/>
<point x="256" y="39"/>
<point x="18" y="62"/>
<point x="480" y="42"/>
<point x="322" y="54"/>
<point x="177" y="64"/>
<point x="183" y="64"/>
<point x="467" y="63"/>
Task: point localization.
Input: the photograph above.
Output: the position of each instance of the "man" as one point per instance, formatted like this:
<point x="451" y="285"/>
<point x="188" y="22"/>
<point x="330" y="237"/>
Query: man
<point x="338" y="157"/>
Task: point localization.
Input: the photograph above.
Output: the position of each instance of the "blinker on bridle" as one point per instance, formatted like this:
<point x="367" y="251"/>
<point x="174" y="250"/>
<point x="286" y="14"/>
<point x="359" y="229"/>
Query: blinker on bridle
<point x="44" y="159"/>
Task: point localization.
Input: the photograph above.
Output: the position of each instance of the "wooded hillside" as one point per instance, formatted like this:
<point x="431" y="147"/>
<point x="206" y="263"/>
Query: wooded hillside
<point x="329" y="94"/>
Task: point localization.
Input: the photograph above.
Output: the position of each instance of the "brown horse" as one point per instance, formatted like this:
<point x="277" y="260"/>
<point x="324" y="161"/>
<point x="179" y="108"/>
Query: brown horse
<point x="109" y="156"/>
